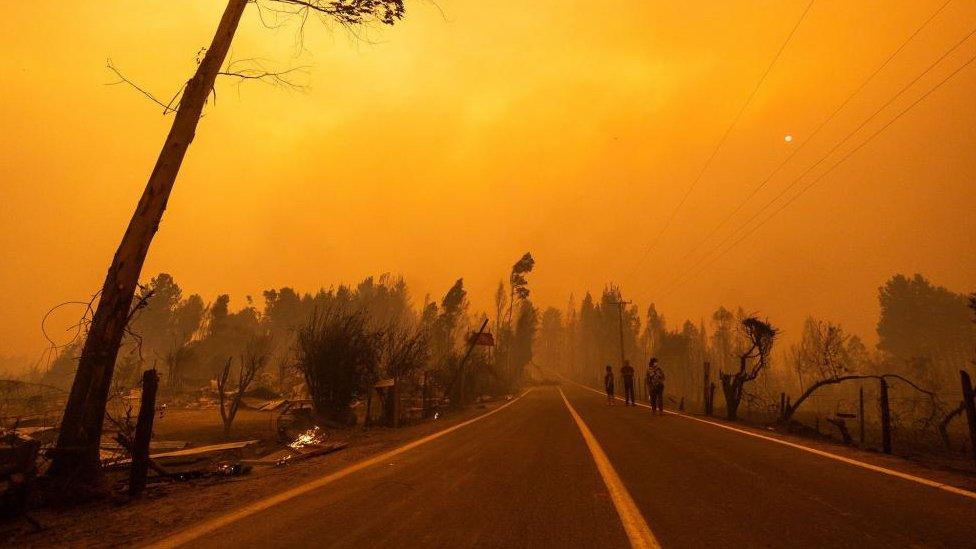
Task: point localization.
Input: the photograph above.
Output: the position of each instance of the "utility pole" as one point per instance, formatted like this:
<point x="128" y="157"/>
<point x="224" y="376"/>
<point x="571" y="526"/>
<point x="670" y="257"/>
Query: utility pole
<point x="620" y="311"/>
<point x="460" y="374"/>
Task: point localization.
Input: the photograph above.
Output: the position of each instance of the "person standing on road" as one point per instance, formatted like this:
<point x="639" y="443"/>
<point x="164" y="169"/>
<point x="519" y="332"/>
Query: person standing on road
<point x="655" y="386"/>
<point x="627" y="372"/>
<point x="608" y="385"/>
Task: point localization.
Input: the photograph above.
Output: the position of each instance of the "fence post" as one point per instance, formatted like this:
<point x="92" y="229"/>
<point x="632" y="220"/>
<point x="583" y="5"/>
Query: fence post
<point x="860" y="413"/>
<point x="969" y="400"/>
<point x="710" y="399"/>
<point x="140" y="444"/>
<point x="885" y="417"/>
<point x="705" y="381"/>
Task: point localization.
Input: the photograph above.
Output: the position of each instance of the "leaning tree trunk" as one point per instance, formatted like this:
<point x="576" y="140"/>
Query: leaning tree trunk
<point x="76" y="457"/>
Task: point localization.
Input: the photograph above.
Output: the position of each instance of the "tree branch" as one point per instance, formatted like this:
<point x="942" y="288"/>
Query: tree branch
<point x="167" y="107"/>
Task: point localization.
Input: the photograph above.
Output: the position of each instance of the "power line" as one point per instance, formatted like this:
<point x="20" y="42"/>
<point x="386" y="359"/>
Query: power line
<point x="806" y="172"/>
<point x="723" y="139"/>
<point x="819" y="178"/>
<point x="817" y="130"/>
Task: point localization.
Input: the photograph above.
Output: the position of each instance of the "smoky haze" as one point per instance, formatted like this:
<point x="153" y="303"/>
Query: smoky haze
<point x="449" y="147"/>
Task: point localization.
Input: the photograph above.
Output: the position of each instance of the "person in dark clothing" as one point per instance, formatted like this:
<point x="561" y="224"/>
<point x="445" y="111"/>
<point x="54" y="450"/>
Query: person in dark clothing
<point x="627" y="372"/>
<point x="608" y="385"/>
<point x="655" y="386"/>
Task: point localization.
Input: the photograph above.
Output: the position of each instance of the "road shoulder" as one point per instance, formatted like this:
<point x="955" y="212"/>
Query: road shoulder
<point x="173" y="507"/>
<point x="898" y="464"/>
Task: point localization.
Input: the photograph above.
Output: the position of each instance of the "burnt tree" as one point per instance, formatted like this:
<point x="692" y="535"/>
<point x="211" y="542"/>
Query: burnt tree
<point x="77" y="458"/>
<point x="760" y="336"/>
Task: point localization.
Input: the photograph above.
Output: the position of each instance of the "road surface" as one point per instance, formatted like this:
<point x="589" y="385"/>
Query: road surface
<point x="526" y="476"/>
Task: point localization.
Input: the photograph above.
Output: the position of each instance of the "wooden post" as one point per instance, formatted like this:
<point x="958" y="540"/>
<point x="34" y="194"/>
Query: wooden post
<point x="620" y="313"/>
<point x="144" y="426"/>
<point x="969" y="401"/>
<point x="425" y="396"/>
<point x="395" y="394"/>
<point x="368" y="420"/>
<point x="885" y="417"/>
<point x="782" y="406"/>
<point x="706" y="373"/>
<point x="860" y="413"/>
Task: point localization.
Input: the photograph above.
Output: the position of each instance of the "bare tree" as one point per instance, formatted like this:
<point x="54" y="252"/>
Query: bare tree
<point x="336" y="351"/>
<point x="252" y="361"/>
<point x="824" y="354"/>
<point x="404" y="350"/>
<point x="77" y="455"/>
<point x="760" y="336"/>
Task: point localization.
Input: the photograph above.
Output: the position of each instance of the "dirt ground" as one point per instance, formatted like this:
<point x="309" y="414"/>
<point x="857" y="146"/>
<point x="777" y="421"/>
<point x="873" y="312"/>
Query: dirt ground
<point x="203" y="426"/>
<point x="166" y="508"/>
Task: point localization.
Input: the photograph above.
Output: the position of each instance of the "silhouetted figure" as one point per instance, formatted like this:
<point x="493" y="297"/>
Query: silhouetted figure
<point x="608" y="385"/>
<point x="627" y="372"/>
<point x="655" y="386"/>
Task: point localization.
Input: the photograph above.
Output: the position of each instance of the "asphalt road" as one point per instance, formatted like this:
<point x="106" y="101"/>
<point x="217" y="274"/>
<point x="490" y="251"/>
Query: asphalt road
<point x="525" y="477"/>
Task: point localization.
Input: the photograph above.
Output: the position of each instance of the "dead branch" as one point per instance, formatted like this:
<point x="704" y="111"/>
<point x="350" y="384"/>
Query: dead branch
<point x="348" y="12"/>
<point x="790" y="410"/>
<point x="258" y="72"/>
<point x="167" y="107"/>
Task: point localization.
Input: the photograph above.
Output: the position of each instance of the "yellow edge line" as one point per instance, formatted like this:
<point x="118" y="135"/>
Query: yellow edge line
<point x="635" y="526"/>
<point x="876" y="468"/>
<point x="204" y="528"/>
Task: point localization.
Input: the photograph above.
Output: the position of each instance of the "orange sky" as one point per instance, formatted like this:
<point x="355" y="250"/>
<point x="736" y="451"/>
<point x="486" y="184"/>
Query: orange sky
<point x="450" y="144"/>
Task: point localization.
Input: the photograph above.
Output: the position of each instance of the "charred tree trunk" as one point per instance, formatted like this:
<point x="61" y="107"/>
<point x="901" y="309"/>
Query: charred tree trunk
<point x="76" y="457"/>
<point x="732" y="389"/>
<point x="732" y="385"/>
<point x="144" y="427"/>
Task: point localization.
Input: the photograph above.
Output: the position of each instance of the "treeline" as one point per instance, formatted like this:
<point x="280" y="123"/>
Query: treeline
<point x="330" y="345"/>
<point x="925" y="334"/>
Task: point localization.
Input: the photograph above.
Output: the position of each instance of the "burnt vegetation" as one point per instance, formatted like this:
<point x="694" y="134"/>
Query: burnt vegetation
<point x="902" y="395"/>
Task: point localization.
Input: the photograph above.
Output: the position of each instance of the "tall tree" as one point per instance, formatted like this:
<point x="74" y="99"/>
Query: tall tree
<point x="76" y="457"/>
<point x="448" y="322"/>
<point x="924" y="327"/>
<point x="523" y="337"/>
<point x="551" y="342"/>
<point x="723" y="338"/>
<point x="519" y="284"/>
<point x="653" y="330"/>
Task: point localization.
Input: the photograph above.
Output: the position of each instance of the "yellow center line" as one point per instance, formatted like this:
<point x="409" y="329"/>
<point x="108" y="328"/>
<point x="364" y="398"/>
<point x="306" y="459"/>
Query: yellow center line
<point x="204" y="528"/>
<point x="635" y="526"/>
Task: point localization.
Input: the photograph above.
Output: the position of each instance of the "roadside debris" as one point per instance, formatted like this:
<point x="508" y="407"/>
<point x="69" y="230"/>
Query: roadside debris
<point x="18" y="469"/>
<point x="311" y="437"/>
<point x="309" y="443"/>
